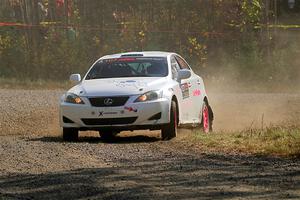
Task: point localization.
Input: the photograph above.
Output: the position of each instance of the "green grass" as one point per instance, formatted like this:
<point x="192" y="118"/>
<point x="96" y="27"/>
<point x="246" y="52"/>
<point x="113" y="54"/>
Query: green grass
<point x="33" y="84"/>
<point x="275" y="140"/>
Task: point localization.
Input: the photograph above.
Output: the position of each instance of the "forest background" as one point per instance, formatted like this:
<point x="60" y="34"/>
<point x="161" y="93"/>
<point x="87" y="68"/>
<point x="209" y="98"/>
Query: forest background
<point x="226" y="41"/>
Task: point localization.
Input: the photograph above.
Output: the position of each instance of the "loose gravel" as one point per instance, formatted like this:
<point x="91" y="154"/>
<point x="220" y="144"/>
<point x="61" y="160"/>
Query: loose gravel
<point x="36" y="164"/>
<point x="29" y="111"/>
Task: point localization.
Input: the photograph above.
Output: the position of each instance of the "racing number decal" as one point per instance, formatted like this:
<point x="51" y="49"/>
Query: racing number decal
<point x="185" y="90"/>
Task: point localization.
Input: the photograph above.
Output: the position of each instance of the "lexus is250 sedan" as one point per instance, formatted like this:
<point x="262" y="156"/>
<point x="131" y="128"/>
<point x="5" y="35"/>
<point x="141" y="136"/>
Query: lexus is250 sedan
<point x="135" y="90"/>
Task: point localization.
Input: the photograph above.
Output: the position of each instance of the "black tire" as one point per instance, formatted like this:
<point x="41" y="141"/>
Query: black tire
<point x="207" y="118"/>
<point x="169" y="131"/>
<point x="107" y="135"/>
<point x="211" y="117"/>
<point x="70" y="134"/>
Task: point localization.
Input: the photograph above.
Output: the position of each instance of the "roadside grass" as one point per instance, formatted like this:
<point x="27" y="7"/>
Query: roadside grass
<point x="281" y="141"/>
<point x="12" y="83"/>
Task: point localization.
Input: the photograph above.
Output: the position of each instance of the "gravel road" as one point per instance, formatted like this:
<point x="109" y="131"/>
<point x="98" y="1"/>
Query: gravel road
<point x="36" y="164"/>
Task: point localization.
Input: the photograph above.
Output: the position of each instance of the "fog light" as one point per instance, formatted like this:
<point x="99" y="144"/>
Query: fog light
<point x="67" y="120"/>
<point x="155" y="117"/>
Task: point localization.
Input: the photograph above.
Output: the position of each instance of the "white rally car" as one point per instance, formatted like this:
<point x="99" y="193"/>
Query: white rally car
<point x="135" y="90"/>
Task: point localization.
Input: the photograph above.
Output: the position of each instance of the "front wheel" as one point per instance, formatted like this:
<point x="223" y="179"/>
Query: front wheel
<point x="169" y="131"/>
<point x="207" y="118"/>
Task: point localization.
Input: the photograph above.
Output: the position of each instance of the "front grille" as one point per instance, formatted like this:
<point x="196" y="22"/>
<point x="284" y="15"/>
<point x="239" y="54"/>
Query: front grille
<point x="115" y="101"/>
<point x="109" y="121"/>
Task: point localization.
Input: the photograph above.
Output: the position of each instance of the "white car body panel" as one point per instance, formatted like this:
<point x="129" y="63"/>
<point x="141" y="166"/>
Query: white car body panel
<point x="189" y="106"/>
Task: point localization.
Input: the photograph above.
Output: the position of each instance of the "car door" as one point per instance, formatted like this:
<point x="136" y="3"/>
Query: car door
<point x="195" y="96"/>
<point x="186" y="107"/>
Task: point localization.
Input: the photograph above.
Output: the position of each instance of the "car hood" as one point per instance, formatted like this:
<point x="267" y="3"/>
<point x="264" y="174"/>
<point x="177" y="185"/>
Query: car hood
<point x="118" y="86"/>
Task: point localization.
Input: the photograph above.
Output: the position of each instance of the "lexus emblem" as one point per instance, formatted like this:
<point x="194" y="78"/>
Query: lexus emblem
<point x="108" y="101"/>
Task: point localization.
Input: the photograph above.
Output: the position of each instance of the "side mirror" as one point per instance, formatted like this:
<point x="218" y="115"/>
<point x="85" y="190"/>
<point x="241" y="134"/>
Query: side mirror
<point x="184" y="74"/>
<point x="75" y="78"/>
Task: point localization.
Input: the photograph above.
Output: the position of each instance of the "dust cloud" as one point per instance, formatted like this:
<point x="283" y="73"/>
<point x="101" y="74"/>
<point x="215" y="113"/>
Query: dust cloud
<point x="254" y="110"/>
<point x="238" y="106"/>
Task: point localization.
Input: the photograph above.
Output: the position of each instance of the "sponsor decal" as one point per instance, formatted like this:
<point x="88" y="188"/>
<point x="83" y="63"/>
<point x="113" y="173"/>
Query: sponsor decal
<point x="185" y="90"/>
<point x="102" y="113"/>
<point x="130" y="109"/>
<point x="110" y="113"/>
<point x="196" y="93"/>
<point x="130" y="83"/>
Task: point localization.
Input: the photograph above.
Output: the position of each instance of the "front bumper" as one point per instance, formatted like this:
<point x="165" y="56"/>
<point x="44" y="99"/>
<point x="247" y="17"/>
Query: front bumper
<point x="131" y="116"/>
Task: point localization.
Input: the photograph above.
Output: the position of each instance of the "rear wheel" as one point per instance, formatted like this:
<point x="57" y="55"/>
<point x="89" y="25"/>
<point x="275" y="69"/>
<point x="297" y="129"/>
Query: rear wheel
<point x="207" y="118"/>
<point x="169" y="131"/>
<point x="70" y="134"/>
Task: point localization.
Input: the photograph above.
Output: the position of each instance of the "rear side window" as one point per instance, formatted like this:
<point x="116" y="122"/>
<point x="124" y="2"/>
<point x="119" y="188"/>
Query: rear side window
<point x="182" y="63"/>
<point x="174" y="67"/>
<point x="129" y="67"/>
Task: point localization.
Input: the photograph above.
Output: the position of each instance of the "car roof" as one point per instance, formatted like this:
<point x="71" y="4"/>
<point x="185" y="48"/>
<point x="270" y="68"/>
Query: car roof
<point x="140" y="53"/>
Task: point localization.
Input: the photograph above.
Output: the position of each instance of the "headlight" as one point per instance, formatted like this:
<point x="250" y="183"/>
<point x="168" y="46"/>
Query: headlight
<point x="149" y="96"/>
<point x="73" y="98"/>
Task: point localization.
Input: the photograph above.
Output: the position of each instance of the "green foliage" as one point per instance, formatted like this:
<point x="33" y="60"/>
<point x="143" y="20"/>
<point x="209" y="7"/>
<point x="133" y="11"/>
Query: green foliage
<point x="252" y="11"/>
<point x="12" y="53"/>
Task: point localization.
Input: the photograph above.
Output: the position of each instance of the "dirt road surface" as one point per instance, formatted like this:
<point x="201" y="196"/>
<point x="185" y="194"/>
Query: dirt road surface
<point x="36" y="164"/>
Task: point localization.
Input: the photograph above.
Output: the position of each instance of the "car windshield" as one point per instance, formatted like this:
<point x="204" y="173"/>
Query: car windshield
<point x="129" y="67"/>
